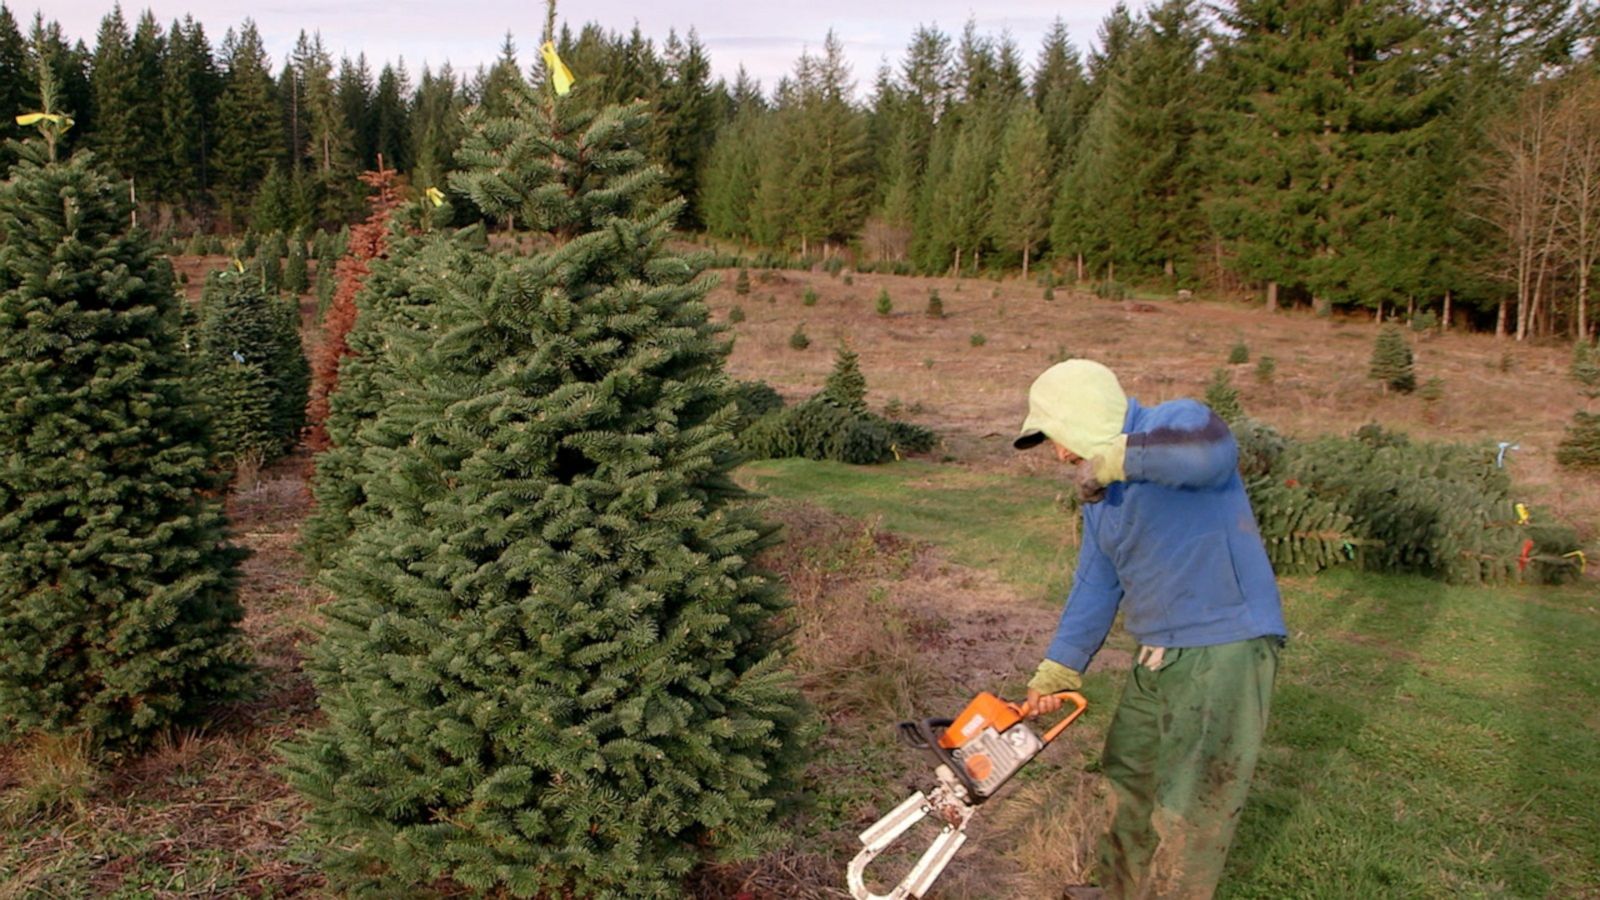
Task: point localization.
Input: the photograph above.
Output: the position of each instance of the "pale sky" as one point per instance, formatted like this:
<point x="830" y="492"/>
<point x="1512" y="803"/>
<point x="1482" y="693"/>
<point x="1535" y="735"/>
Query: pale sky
<point x="766" y="36"/>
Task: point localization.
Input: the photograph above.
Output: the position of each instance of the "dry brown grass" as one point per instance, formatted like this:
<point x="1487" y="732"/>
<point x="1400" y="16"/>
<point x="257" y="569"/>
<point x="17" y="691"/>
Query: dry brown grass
<point x="975" y="396"/>
<point x="1049" y="829"/>
<point x="887" y="629"/>
<point x="49" y="775"/>
<point x="854" y="648"/>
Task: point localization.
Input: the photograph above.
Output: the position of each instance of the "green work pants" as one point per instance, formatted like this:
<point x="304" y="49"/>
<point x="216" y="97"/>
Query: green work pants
<point x="1179" y="755"/>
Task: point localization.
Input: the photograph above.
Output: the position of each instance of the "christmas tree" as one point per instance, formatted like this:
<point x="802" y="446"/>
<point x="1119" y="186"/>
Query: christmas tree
<point x="550" y="667"/>
<point x="846" y="386"/>
<point x="367" y="242"/>
<point x="250" y="361"/>
<point x="1440" y="510"/>
<point x="118" y="605"/>
<point x="835" y="424"/>
<point x="269" y="269"/>
<point x="394" y="289"/>
<point x="295" y="277"/>
<point x="1391" y="361"/>
<point x="1580" y="446"/>
<point x="1223" y="397"/>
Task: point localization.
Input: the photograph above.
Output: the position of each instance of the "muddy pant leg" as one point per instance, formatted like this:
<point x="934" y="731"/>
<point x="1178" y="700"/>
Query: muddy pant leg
<point x="1214" y="703"/>
<point x="1129" y="762"/>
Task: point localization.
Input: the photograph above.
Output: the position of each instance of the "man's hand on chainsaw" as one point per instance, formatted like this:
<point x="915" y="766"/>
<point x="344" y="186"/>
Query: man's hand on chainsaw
<point x="1049" y="679"/>
<point x="1042" y="704"/>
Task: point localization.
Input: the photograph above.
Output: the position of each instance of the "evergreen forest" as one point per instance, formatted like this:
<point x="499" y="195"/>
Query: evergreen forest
<point x="1438" y="156"/>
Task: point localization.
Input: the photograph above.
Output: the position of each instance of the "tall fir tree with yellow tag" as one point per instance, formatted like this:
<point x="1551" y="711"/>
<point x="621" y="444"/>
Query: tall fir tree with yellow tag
<point x="551" y="667"/>
<point x="118" y="601"/>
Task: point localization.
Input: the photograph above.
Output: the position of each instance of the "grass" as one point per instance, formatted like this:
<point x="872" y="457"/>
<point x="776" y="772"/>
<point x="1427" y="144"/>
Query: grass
<point x="1021" y="529"/>
<point x="1426" y="740"/>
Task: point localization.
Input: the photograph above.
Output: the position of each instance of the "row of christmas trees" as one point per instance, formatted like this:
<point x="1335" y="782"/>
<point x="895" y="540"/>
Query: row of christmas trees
<point x="550" y="666"/>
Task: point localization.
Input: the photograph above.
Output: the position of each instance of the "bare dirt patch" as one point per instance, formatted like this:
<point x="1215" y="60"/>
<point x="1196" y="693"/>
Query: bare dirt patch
<point x="887" y="629"/>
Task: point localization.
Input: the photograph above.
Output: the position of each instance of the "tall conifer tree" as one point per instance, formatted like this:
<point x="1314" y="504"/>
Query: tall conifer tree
<point x="1325" y="101"/>
<point x="1020" y="216"/>
<point x="550" y="667"/>
<point x="16" y="73"/>
<point x="118" y="122"/>
<point x="353" y="88"/>
<point x="118" y="605"/>
<point x="1061" y="93"/>
<point x="248" y="126"/>
<point x="391" y="125"/>
<point x="436" y="129"/>
<point x="189" y="88"/>
<point x="685" y="119"/>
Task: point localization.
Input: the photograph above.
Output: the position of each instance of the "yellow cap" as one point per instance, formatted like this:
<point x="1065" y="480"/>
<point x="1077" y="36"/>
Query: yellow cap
<point x="1078" y="404"/>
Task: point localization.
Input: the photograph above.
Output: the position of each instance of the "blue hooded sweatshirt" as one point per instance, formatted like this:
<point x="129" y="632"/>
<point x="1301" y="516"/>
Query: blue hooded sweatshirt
<point x="1175" y="545"/>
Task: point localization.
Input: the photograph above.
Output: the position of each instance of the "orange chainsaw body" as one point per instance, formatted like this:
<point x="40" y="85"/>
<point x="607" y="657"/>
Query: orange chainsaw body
<point x="990" y="742"/>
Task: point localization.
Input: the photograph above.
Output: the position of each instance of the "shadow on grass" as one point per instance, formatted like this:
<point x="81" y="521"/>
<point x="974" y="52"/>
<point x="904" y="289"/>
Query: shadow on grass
<point x="1348" y="657"/>
<point x="1556" y="773"/>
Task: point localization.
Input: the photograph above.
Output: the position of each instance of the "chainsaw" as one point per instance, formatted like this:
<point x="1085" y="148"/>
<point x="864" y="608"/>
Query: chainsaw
<point x="977" y="752"/>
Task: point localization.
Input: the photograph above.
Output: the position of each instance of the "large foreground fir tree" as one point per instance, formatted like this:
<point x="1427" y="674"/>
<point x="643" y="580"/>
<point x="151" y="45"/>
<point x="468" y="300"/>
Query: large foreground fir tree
<point x="118" y="607"/>
<point x="551" y="668"/>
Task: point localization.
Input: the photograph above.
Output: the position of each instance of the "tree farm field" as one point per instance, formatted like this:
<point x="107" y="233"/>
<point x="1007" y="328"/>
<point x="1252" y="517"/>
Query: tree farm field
<point x="1427" y="740"/>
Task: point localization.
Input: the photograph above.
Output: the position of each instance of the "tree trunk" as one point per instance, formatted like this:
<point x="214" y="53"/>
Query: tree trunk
<point x="1445" y="325"/>
<point x="1531" y="323"/>
<point x="1080" y="266"/>
<point x="1583" y="303"/>
<point x="1500" y="321"/>
<point x="1377" y="314"/>
<point x="958" y="262"/>
<point x="1272" y="296"/>
<point x="1025" y="249"/>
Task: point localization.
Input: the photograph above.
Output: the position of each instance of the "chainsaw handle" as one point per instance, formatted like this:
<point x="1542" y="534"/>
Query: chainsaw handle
<point x="1078" y="702"/>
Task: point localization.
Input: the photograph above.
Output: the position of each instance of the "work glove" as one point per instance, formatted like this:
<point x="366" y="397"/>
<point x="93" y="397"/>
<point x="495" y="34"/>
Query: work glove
<point x="1050" y="679"/>
<point x="1101" y="469"/>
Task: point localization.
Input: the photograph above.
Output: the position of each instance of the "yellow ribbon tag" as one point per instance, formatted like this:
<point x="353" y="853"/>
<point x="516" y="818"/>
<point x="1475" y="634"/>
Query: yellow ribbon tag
<point x="36" y="118"/>
<point x="1583" y="561"/>
<point x="1522" y="515"/>
<point x="237" y="265"/>
<point x="560" y="75"/>
<point x="436" y="196"/>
